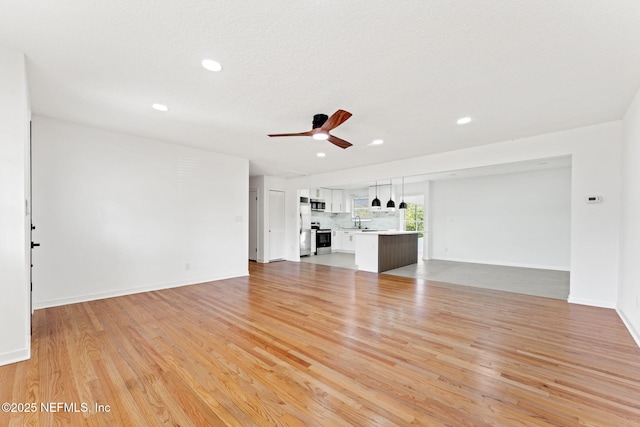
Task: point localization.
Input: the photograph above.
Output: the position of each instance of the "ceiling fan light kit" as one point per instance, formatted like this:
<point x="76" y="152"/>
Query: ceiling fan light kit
<point x="322" y="125"/>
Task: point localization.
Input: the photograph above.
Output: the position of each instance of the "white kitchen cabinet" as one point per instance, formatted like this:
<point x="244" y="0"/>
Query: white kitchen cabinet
<point x="349" y="242"/>
<point x="336" y="241"/>
<point x="336" y="201"/>
<point x="319" y="193"/>
<point x="346" y="201"/>
<point x="343" y="241"/>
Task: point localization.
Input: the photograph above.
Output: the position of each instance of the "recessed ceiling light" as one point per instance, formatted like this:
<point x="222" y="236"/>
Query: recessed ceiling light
<point x="211" y="65"/>
<point x="320" y="136"/>
<point x="377" y="142"/>
<point x="160" y="107"/>
<point x="320" y="154"/>
<point x="463" y="120"/>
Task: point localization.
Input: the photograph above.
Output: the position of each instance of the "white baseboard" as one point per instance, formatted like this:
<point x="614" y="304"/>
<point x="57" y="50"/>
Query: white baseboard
<point x="591" y="302"/>
<point x="15" y="356"/>
<point x="634" y="334"/>
<point x="505" y="264"/>
<point x="129" y="291"/>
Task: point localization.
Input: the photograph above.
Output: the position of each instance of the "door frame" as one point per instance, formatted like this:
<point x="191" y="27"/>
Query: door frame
<point x="254" y="237"/>
<point x="278" y="257"/>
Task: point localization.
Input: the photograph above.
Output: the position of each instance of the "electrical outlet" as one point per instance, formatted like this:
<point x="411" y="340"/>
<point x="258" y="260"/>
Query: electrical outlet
<point x="187" y="266"/>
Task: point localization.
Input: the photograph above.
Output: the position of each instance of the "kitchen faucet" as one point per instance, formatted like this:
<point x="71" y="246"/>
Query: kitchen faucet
<point x="357" y="220"/>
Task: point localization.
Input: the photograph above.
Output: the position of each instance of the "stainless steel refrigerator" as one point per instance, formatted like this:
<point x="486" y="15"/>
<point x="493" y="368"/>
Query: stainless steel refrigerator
<point x="305" y="227"/>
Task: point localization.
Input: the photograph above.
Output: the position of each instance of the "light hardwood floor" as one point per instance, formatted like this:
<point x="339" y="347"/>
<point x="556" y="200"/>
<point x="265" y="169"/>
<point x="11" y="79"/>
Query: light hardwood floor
<point x="300" y="344"/>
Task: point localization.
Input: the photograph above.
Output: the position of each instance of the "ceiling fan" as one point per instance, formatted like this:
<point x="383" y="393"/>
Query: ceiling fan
<point x="322" y="124"/>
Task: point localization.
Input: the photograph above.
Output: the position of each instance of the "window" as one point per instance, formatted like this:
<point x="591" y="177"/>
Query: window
<point x="361" y="208"/>
<point x="414" y="218"/>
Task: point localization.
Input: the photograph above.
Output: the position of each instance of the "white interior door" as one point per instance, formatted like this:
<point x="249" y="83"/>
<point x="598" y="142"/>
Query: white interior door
<point x="253" y="225"/>
<point x="276" y="225"/>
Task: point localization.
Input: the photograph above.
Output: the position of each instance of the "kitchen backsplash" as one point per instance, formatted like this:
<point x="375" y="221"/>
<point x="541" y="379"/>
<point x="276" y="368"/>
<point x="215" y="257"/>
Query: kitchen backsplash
<point x="380" y="220"/>
<point x="383" y="220"/>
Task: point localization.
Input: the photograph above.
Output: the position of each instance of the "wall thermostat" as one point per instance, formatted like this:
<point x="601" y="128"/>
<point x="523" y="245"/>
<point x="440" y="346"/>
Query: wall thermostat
<point x="594" y="199"/>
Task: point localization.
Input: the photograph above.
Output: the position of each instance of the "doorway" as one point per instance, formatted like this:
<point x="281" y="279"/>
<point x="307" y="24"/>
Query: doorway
<point x="253" y="225"/>
<point x="276" y="225"/>
<point x="413" y="219"/>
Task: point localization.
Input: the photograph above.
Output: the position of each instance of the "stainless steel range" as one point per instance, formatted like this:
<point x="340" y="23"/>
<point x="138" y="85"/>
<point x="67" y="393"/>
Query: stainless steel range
<point x="323" y="239"/>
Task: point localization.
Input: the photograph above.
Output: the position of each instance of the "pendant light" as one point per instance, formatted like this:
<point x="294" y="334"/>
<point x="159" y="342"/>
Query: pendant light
<point x="403" y="205"/>
<point x="391" y="203"/>
<point x="376" y="202"/>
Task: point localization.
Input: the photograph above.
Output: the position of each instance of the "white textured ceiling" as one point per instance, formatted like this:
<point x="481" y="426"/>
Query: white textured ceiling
<point x="405" y="69"/>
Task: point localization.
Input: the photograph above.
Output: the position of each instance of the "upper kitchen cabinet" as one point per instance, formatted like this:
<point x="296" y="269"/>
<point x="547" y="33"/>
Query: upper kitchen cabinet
<point x="337" y="201"/>
<point x="320" y="194"/>
<point x="334" y="199"/>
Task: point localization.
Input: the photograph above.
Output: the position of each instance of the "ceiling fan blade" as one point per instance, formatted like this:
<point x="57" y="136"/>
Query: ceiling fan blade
<point x="308" y="133"/>
<point x="339" y="142"/>
<point x="336" y="119"/>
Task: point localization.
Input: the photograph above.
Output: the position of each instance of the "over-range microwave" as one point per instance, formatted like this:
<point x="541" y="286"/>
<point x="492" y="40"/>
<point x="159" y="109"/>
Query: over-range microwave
<point x="317" y="205"/>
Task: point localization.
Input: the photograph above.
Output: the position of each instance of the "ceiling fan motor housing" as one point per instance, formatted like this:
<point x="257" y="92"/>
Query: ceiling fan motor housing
<point x="318" y="120"/>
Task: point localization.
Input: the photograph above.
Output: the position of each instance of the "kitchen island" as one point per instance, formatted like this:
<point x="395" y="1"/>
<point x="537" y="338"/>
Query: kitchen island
<point x="379" y="251"/>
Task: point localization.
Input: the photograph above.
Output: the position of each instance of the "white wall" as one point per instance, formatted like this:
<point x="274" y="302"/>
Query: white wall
<point x="629" y="298"/>
<point x="14" y="219"/>
<point x="517" y="219"/>
<point x="118" y="214"/>
<point x="596" y="160"/>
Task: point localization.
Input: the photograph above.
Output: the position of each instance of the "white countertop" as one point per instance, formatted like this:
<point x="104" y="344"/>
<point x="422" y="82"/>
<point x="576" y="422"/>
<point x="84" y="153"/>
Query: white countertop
<point x="387" y="233"/>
